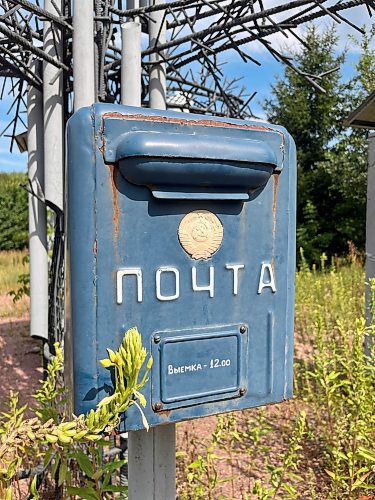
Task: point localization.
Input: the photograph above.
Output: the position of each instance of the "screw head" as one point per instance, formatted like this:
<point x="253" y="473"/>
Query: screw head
<point x="242" y="391"/>
<point x="243" y="328"/>
<point x="158" y="406"/>
<point x="157" y="339"/>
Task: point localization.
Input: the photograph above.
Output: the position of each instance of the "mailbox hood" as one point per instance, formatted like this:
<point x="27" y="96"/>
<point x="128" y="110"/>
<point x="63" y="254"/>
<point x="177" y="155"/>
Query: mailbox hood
<point x="193" y="159"/>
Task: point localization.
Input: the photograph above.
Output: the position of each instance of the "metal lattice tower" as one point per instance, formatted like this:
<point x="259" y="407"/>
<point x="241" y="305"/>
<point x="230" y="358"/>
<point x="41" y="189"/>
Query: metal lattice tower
<point x="197" y="32"/>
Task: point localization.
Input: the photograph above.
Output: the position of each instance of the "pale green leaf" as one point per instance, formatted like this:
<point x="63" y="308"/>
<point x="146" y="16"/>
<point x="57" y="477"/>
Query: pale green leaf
<point x="115" y="488"/>
<point x="84" y="462"/>
<point x="85" y="493"/>
<point x="33" y="489"/>
<point x="106" y="363"/>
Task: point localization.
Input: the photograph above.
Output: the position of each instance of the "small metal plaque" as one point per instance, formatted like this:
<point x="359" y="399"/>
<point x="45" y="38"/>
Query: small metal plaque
<point x="198" y="365"/>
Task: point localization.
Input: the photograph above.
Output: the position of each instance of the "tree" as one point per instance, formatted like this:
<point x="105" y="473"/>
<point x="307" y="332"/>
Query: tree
<point x="332" y="162"/>
<point x="13" y="212"/>
<point x="346" y="160"/>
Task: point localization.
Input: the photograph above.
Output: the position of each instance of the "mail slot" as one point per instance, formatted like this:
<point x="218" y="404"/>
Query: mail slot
<point x="184" y="226"/>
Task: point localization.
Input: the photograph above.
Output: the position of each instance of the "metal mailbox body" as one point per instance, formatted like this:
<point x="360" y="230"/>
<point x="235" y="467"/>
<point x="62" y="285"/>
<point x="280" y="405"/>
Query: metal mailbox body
<point x="184" y="226"/>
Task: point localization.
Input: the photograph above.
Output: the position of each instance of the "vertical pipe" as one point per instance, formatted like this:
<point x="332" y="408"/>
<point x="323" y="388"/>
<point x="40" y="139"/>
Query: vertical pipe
<point x="53" y="111"/>
<point x="370" y="239"/>
<point x="131" y="65"/>
<point x="37" y="216"/>
<point x="152" y="464"/>
<point x="157" y="83"/>
<point x="83" y="54"/>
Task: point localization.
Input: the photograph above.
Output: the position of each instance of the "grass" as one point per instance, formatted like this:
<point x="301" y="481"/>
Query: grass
<point x="333" y="292"/>
<point x="12" y="265"/>
<point x="320" y="445"/>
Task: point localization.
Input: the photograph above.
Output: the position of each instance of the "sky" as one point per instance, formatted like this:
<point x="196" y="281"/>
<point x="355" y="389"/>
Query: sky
<point x="255" y="78"/>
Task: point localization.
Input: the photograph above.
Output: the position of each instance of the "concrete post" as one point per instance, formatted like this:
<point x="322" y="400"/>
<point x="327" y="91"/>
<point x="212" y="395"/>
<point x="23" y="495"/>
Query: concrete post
<point x="152" y="464"/>
<point x="83" y="54"/>
<point x="152" y="455"/>
<point x="157" y="84"/>
<point x="53" y="111"/>
<point x="131" y="65"/>
<point x="38" y="253"/>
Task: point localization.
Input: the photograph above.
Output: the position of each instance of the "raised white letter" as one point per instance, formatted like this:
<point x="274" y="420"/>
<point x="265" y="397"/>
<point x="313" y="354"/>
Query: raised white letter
<point x="158" y="287"/>
<point x="266" y="284"/>
<point x="128" y="272"/>
<point x="209" y="288"/>
<point x="235" y="268"/>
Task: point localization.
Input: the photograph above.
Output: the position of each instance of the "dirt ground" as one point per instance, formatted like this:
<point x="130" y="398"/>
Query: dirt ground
<point x="245" y="464"/>
<point x="20" y="371"/>
<point x="20" y="361"/>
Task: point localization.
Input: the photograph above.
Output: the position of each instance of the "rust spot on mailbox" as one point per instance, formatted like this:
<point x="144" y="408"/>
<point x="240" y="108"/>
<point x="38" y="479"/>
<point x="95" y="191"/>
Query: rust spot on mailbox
<point x="274" y="213"/>
<point x="164" y="413"/>
<point x="274" y="203"/>
<point x="113" y="177"/>
<point x="184" y="121"/>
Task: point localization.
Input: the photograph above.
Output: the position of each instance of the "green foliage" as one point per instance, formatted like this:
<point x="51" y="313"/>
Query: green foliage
<point x="334" y="406"/>
<point x="13" y="263"/>
<point x="13" y="212"/>
<point x="343" y="395"/>
<point x="281" y="475"/>
<point x="338" y="380"/>
<point x="333" y="292"/>
<point x="202" y="474"/>
<point x="23" y="282"/>
<point x="73" y="448"/>
<point x="366" y="66"/>
<point x="309" y="114"/>
<point x="332" y="160"/>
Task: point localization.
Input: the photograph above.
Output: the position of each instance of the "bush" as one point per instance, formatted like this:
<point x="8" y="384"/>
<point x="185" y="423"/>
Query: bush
<point x="13" y="212"/>
<point x="71" y="447"/>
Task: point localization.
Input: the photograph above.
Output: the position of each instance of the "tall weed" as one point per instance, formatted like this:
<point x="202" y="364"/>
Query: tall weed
<point x="14" y="268"/>
<point x="334" y="385"/>
<point x="336" y="378"/>
<point x="72" y="446"/>
<point x="12" y="264"/>
<point x="340" y="388"/>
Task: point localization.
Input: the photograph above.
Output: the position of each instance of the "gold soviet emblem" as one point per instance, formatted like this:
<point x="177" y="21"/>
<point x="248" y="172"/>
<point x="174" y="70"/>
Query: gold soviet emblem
<point x="200" y="234"/>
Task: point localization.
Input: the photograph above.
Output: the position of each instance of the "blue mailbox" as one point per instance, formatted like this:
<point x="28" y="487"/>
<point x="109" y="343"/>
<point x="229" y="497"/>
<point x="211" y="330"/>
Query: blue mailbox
<point x="184" y="226"/>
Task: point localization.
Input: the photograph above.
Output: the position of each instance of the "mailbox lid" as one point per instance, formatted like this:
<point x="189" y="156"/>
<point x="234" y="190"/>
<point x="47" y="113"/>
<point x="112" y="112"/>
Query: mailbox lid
<point x="191" y="158"/>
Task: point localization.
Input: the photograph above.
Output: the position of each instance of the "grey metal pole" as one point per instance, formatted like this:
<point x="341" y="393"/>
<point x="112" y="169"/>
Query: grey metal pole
<point x="152" y="464"/>
<point x="157" y="84"/>
<point x="53" y="111"/>
<point x="370" y="238"/>
<point x="83" y="54"/>
<point x="152" y="454"/>
<point x="38" y="252"/>
<point x="131" y="64"/>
